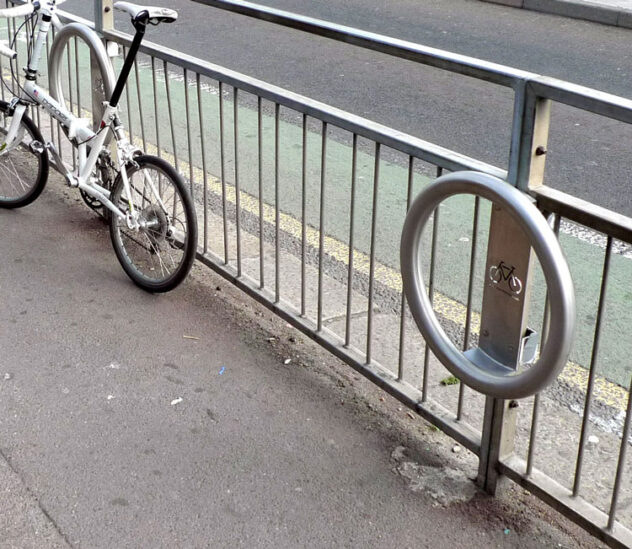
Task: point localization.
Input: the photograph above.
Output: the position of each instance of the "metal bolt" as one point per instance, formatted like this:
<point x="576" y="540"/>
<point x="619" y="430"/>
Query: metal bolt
<point x="485" y="333"/>
<point x="540" y="151"/>
<point x="107" y="9"/>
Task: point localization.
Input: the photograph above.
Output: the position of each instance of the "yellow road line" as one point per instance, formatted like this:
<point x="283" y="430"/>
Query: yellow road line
<point x="575" y="375"/>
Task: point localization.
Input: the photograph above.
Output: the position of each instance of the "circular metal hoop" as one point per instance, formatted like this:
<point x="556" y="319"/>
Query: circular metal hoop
<point x="97" y="50"/>
<point x="502" y="382"/>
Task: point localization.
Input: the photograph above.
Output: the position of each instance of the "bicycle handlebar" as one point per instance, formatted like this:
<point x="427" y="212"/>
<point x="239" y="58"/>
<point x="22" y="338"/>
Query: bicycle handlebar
<point x="17" y="11"/>
<point x="7" y="51"/>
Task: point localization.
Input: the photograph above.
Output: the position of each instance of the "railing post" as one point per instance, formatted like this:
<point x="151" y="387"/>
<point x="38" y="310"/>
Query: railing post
<point x="504" y="314"/>
<point x="103" y="15"/>
<point x="103" y="21"/>
<point x="501" y="329"/>
<point x="529" y="138"/>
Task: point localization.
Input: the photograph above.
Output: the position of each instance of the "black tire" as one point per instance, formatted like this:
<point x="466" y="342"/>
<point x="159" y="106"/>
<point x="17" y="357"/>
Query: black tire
<point x="23" y="172"/>
<point x="173" y="230"/>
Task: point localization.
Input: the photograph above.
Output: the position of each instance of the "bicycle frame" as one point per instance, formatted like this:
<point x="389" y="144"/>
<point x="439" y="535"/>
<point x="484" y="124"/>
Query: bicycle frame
<point x="78" y="129"/>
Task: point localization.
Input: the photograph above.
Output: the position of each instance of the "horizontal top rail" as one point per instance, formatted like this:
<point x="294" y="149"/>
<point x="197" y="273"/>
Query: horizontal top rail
<point x="593" y="216"/>
<point x="453" y="62"/>
<point x="586" y="99"/>
<point x="403" y="142"/>
<point x="585" y="213"/>
<point x="582" y="97"/>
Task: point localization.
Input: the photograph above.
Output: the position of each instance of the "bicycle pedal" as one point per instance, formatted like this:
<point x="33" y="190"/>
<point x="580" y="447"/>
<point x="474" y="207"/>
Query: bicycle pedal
<point x="37" y="147"/>
<point x="60" y="164"/>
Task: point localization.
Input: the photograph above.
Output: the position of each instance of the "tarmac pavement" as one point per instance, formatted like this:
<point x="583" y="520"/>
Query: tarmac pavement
<point x="134" y="420"/>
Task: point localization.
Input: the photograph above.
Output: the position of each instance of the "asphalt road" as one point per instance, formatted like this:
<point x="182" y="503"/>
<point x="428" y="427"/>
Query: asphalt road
<point x="587" y="154"/>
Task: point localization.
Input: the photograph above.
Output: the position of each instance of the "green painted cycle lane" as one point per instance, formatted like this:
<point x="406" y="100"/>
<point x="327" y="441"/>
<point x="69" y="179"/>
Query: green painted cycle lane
<point x="455" y="223"/>
<point x="453" y="257"/>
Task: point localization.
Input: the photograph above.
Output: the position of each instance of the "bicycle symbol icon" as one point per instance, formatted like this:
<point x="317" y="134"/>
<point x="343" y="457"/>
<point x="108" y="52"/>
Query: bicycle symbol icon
<point x="504" y="273"/>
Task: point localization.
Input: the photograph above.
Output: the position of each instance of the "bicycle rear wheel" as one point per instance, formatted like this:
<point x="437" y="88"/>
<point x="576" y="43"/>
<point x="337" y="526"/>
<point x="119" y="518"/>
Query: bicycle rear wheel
<point x="159" y="255"/>
<point x="23" y="167"/>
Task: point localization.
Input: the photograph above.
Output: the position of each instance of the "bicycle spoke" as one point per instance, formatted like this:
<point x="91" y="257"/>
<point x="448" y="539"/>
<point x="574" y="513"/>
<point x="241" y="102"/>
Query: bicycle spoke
<point x="22" y="171"/>
<point x="156" y="249"/>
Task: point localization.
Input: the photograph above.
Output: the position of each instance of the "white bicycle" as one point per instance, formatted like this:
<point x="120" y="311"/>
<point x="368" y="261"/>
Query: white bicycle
<point x="153" y="225"/>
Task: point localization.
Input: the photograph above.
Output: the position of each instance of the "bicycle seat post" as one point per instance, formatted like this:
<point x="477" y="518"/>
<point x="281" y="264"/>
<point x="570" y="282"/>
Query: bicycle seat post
<point x="140" y="24"/>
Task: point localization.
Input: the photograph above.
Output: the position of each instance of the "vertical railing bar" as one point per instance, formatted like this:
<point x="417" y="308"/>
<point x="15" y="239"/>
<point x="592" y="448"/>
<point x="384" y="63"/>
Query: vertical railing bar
<point x="140" y="106"/>
<point x="535" y="418"/>
<point x="52" y="127"/>
<point x="59" y="148"/>
<point x="3" y="80"/>
<point x="433" y="250"/>
<point x="369" y="330"/>
<point x="69" y="63"/>
<point x="170" y="111"/>
<point x="36" y="111"/>
<point x="187" y="106"/>
<point x="625" y="439"/>
<point x="354" y="169"/>
<point x="470" y="295"/>
<point x="77" y="77"/>
<point x="70" y="95"/>
<point x="203" y="146"/>
<point x="277" y="217"/>
<point x="12" y="24"/>
<point x="237" y="188"/>
<point x="260" y="183"/>
<point x="130" y="124"/>
<point x="321" y="235"/>
<point x="2" y="76"/>
<point x="31" y="111"/>
<point x="304" y="219"/>
<point x="156" y="116"/>
<point x="593" y="368"/>
<point x="54" y="135"/>
<point x="222" y="155"/>
<point x="402" y="319"/>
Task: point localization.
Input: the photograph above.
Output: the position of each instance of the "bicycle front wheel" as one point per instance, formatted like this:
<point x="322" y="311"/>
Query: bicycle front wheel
<point x="24" y="167"/>
<point x="158" y="255"/>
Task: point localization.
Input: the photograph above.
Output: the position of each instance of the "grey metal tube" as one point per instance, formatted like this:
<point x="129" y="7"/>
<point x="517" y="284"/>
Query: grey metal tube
<point x="141" y="115"/>
<point x="237" y="187"/>
<point x="277" y="210"/>
<point x="433" y="263"/>
<point x="470" y="294"/>
<point x="593" y="368"/>
<point x="260" y="187"/>
<point x="354" y="169"/>
<point x="321" y="237"/>
<point x="369" y="322"/>
<point x="402" y="319"/>
<point x="502" y="382"/>
<point x="304" y="219"/>
<point x="97" y="48"/>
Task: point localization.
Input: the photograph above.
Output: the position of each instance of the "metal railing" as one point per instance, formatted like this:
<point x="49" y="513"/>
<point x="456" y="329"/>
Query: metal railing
<point x="301" y="206"/>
